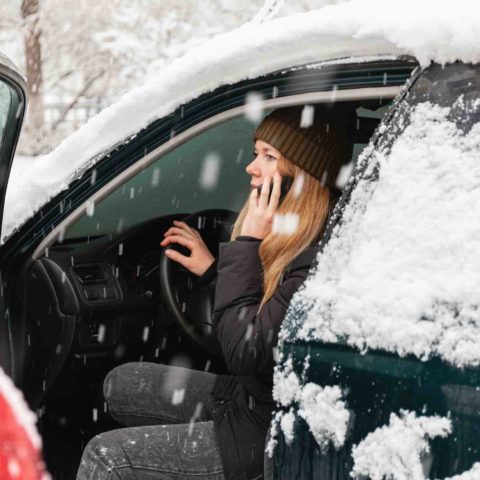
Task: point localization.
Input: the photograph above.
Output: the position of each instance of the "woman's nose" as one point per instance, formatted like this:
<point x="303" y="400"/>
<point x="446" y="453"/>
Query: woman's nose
<point x="252" y="168"/>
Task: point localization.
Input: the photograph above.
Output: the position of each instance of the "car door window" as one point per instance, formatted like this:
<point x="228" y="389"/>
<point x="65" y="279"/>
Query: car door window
<point x="205" y="172"/>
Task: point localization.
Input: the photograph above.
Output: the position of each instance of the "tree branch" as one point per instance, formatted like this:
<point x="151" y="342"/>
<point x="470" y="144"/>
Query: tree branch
<point x="79" y="94"/>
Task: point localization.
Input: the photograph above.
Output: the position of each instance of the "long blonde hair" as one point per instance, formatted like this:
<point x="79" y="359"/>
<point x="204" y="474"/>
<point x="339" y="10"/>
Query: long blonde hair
<point x="277" y="251"/>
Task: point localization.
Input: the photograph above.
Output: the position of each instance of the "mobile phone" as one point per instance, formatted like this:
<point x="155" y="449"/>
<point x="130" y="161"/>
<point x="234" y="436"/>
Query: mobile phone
<point x="284" y="187"/>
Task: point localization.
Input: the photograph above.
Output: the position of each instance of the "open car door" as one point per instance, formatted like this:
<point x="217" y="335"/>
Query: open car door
<point x="13" y="99"/>
<point x="380" y="374"/>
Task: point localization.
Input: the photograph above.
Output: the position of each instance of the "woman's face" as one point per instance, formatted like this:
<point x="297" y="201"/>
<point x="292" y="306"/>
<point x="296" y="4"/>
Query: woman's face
<point x="264" y="164"/>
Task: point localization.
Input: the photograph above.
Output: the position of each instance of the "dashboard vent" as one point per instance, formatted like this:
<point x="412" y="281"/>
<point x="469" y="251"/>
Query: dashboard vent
<point x="90" y="274"/>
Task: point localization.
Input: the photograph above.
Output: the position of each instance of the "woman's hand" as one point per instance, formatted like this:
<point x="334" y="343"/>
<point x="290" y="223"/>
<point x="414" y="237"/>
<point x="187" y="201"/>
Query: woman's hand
<point x="259" y="219"/>
<point x="200" y="257"/>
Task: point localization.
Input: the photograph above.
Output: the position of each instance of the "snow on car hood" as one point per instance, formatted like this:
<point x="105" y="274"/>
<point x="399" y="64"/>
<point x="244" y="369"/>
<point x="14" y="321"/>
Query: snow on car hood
<point x="443" y="31"/>
<point x="401" y="272"/>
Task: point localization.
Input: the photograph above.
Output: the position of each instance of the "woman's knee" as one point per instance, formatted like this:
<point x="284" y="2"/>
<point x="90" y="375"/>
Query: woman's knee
<point x="130" y="378"/>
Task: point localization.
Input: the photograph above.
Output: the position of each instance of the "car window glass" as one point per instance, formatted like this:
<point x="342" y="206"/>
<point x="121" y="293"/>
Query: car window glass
<point x="207" y="171"/>
<point x="5" y="102"/>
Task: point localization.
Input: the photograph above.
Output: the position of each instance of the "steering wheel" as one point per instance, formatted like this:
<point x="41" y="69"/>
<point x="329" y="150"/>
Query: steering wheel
<point x="189" y="301"/>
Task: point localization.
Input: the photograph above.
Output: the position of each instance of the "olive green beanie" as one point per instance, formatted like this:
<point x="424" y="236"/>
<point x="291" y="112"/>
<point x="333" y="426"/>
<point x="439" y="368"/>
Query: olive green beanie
<point x="321" y="148"/>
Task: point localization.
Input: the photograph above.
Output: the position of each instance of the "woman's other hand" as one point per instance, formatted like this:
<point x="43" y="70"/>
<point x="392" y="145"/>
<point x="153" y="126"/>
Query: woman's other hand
<point x="200" y="257"/>
<point x="259" y="219"/>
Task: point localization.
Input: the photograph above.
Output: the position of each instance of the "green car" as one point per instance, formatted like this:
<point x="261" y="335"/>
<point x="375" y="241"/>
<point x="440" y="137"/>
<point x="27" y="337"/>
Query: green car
<point x="380" y="374"/>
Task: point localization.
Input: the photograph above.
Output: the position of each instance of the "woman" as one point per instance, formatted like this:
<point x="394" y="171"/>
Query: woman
<point x="188" y="423"/>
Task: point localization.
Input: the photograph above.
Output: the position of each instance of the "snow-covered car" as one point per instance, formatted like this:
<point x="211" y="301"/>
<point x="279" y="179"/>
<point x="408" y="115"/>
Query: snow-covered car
<point x="379" y="375"/>
<point x="85" y="284"/>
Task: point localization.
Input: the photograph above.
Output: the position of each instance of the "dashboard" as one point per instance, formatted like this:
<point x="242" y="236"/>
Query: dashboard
<point x="89" y="299"/>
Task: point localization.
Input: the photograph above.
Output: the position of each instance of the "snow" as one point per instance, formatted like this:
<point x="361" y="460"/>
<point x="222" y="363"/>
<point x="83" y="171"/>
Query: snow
<point x="272" y="440"/>
<point x="322" y="408"/>
<point x="254" y="107"/>
<point x="285" y="224"/>
<point x="287" y="423"/>
<point x="472" y="474"/>
<point x="308" y="114"/>
<point x="286" y="384"/>
<point x="210" y="171"/>
<point x="178" y="396"/>
<point x="325" y="413"/>
<point x="395" y="451"/>
<point x="24" y="416"/>
<point x="440" y="30"/>
<point x="401" y="273"/>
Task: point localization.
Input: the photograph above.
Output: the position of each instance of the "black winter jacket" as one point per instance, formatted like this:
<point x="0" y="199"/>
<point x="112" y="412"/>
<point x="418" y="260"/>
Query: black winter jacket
<point x="244" y="400"/>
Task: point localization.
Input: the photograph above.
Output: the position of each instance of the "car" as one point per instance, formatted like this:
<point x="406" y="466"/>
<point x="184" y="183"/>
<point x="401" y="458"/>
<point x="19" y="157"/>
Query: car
<point x="86" y="287"/>
<point x="380" y="375"/>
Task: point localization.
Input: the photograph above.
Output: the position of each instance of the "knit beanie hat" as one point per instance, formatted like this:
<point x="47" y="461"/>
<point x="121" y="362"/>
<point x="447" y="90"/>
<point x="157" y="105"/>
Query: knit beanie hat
<point x="319" y="148"/>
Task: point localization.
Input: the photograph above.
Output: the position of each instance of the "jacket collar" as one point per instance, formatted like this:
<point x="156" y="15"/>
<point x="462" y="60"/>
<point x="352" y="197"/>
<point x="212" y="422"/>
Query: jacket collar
<point x="305" y="259"/>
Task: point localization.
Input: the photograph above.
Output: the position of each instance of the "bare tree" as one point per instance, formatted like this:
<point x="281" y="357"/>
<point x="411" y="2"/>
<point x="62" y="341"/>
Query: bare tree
<point x="33" y="63"/>
<point x="78" y="64"/>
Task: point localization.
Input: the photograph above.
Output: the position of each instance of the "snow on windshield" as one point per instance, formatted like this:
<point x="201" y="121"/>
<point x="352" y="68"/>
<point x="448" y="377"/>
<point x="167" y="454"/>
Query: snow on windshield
<point x="440" y="30"/>
<point x="401" y="273"/>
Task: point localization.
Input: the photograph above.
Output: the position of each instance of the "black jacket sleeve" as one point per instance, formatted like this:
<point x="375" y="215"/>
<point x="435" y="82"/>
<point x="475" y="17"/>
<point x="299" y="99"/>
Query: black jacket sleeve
<point x="209" y="275"/>
<point x="247" y="337"/>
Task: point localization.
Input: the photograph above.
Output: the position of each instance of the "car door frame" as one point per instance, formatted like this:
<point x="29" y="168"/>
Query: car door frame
<point x="11" y="76"/>
<point x="291" y="460"/>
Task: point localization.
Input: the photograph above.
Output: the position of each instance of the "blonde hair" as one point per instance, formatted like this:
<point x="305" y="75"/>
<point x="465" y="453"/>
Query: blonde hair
<point x="277" y="250"/>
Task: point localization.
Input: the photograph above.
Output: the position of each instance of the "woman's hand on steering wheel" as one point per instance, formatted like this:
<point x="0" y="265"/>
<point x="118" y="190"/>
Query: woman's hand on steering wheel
<point x="200" y="257"/>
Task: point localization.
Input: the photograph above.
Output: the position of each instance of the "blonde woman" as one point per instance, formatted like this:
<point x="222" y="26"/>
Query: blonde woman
<point x="219" y="429"/>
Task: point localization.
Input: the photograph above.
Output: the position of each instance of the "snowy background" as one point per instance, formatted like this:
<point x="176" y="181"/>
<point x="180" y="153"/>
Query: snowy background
<point x="86" y="62"/>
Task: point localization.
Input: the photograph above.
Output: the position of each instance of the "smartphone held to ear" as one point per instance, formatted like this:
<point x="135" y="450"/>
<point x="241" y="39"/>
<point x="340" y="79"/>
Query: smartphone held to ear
<point x="284" y="187"/>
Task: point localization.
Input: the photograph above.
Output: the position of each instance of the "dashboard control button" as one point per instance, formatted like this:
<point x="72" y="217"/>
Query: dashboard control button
<point x="109" y="293"/>
<point x="91" y="293"/>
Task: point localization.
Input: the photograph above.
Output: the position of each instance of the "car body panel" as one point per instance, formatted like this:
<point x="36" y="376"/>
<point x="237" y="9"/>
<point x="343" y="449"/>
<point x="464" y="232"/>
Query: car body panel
<point x="375" y="383"/>
<point x="379" y="384"/>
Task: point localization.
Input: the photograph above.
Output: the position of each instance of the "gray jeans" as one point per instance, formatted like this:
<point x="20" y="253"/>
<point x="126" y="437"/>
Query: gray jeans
<point x="171" y="434"/>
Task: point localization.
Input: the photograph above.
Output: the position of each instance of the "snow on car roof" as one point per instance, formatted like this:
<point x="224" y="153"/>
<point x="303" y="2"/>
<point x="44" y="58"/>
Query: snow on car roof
<point x="439" y="30"/>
